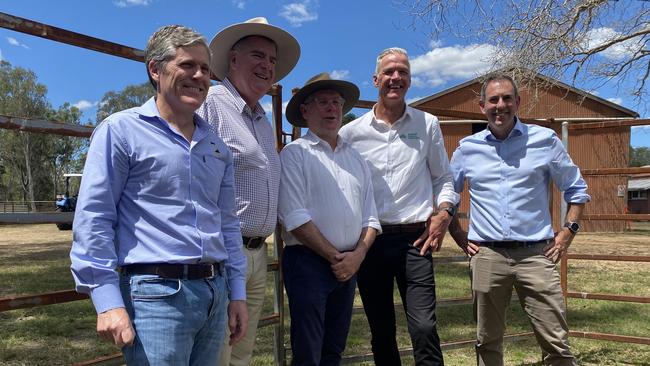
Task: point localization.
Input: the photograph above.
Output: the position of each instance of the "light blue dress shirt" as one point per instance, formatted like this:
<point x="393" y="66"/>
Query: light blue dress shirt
<point x="150" y="196"/>
<point x="509" y="182"/>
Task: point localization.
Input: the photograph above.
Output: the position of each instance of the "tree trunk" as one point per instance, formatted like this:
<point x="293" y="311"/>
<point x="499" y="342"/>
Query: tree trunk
<point x="28" y="171"/>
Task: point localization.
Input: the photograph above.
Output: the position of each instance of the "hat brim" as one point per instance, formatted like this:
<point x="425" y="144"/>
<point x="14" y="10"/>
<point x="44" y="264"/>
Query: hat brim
<point x="288" y="49"/>
<point x="348" y="91"/>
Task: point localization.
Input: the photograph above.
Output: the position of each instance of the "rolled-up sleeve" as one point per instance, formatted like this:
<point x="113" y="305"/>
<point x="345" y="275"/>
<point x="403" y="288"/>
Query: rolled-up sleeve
<point x="93" y="253"/>
<point x="292" y="209"/>
<point x="230" y="227"/>
<point x="566" y="174"/>
<point x="438" y="163"/>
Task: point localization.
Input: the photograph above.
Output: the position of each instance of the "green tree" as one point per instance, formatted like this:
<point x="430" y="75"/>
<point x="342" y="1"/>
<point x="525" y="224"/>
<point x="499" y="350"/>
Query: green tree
<point x="23" y="153"/>
<point x="639" y="156"/>
<point x="349" y="117"/>
<point x="129" y="97"/>
<point x="66" y="153"/>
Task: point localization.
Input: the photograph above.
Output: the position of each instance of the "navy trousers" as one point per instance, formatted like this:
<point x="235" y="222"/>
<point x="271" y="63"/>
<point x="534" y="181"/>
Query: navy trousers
<point x="393" y="258"/>
<point x="319" y="305"/>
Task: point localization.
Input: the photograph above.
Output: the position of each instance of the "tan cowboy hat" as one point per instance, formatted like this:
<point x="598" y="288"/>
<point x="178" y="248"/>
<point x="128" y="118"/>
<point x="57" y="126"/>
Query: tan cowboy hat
<point x="322" y="81"/>
<point x="288" y="49"/>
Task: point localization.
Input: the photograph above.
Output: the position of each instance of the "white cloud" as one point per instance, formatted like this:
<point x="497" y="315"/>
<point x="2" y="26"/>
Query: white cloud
<point x="14" y="42"/>
<point x="239" y="4"/>
<point x="268" y="107"/>
<point x="442" y="64"/>
<point x="128" y="3"/>
<point x="84" y="104"/>
<point x="618" y="101"/>
<point x="599" y="36"/>
<point x="340" y="74"/>
<point x="300" y="12"/>
<point x="1" y="55"/>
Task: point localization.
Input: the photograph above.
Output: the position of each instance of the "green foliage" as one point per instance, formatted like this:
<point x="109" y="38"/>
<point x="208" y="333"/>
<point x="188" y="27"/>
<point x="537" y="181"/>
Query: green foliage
<point x="639" y="156"/>
<point x="129" y="97"/>
<point x="31" y="163"/>
<point x="348" y="118"/>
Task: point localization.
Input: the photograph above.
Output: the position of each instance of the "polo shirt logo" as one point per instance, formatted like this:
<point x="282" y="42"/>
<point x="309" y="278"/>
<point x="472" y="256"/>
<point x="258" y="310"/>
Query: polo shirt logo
<point x="410" y="136"/>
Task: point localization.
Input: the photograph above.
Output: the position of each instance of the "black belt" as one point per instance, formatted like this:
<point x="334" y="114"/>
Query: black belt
<point x="176" y="271"/>
<point x="417" y="227"/>
<point x="253" y="243"/>
<point x="511" y="244"/>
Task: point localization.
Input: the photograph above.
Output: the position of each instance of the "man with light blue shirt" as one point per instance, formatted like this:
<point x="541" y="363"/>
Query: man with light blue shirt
<point x="157" y="242"/>
<point x="511" y="241"/>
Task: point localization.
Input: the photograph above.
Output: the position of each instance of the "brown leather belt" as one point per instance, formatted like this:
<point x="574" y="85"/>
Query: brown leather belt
<point x="417" y="227"/>
<point x="511" y="244"/>
<point x="253" y="243"/>
<point x="173" y="270"/>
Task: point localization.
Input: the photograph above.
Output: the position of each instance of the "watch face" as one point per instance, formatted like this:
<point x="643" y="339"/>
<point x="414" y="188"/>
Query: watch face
<point x="573" y="226"/>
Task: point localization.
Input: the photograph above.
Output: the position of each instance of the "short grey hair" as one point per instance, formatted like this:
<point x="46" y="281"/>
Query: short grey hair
<point x="162" y="45"/>
<point x="498" y="76"/>
<point x="390" y="51"/>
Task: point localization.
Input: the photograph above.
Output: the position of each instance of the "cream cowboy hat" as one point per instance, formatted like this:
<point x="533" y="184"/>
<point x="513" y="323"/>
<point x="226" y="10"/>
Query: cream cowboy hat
<point x="322" y="81"/>
<point x="288" y="49"/>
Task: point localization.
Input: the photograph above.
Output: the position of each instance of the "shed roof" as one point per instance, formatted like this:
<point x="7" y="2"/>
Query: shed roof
<point x="477" y="80"/>
<point x="638" y="184"/>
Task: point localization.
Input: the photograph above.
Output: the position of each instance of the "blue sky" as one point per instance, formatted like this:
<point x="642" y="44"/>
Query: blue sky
<point x="340" y="37"/>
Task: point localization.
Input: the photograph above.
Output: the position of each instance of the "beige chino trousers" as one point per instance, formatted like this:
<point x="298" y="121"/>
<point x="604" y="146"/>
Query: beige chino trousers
<point x="240" y="353"/>
<point x="495" y="271"/>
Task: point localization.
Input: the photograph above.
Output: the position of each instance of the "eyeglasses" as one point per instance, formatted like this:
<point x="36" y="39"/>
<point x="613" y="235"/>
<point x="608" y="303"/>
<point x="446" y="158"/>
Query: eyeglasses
<point x="323" y="103"/>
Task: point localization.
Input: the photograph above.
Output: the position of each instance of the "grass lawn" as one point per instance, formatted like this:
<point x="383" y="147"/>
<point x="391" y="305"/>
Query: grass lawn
<point x="35" y="259"/>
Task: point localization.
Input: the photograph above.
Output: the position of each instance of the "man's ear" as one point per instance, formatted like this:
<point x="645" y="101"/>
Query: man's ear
<point x="375" y="80"/>
<point x="481" y="105"/>
<point x="232" y="60"/>
<point x="154" y="70"/>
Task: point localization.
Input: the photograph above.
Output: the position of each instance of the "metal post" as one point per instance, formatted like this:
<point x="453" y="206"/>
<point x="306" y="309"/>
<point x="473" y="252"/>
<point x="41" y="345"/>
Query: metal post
<point x="564" y="262"/>
<point x="278" y="296"/>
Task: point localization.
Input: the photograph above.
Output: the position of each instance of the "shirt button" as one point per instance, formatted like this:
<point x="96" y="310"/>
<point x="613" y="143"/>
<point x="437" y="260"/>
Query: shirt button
<point x="194" y="177"/>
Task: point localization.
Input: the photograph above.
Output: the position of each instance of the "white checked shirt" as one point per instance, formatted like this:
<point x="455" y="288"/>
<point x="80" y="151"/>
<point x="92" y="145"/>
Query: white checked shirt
<point x="331" y="188"/>
<point x="249" y="135"/>
<point x="408" y="162"/>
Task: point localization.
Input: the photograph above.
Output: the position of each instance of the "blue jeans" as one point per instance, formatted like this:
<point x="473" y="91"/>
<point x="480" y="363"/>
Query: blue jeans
<point x="320" y="308"/>
<point x="177" y="322"/>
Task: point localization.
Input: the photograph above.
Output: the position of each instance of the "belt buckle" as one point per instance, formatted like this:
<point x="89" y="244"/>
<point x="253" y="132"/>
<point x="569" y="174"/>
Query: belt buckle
<point x="212" y="270"/>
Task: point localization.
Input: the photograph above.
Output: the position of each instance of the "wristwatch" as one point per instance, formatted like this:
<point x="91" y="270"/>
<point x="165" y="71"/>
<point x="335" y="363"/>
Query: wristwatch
<point x="451" y="210"/>
<point x="574" y="227"/>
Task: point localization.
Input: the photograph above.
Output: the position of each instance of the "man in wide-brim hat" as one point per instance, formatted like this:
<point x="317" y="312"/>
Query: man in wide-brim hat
<point x="329" y="217"/>
<point x="248" y="58"/>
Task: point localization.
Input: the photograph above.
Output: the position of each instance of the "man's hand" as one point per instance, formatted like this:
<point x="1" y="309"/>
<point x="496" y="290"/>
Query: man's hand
<point x="557" y="247"/>
<point x="237" y="320"/>
<point x="115" y="326"/>
<point x="348" y="264"/>
<point x="467" y="246"/>
<point x="434" y="232"/>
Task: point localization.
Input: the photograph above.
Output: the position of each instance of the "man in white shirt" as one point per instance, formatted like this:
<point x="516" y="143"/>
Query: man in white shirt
<point x="248" y="58"/>
<point x="330" y="221"/>
<point x="406" y="155"/>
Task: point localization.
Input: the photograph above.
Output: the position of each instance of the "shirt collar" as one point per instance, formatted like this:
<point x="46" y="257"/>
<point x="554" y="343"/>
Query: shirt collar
<point x="315" y="140"/>
<point x="150" y="110"/>
<point x="240" y="103"/>
<point x="407" y="114"/>
<point x="518" y="130"/>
